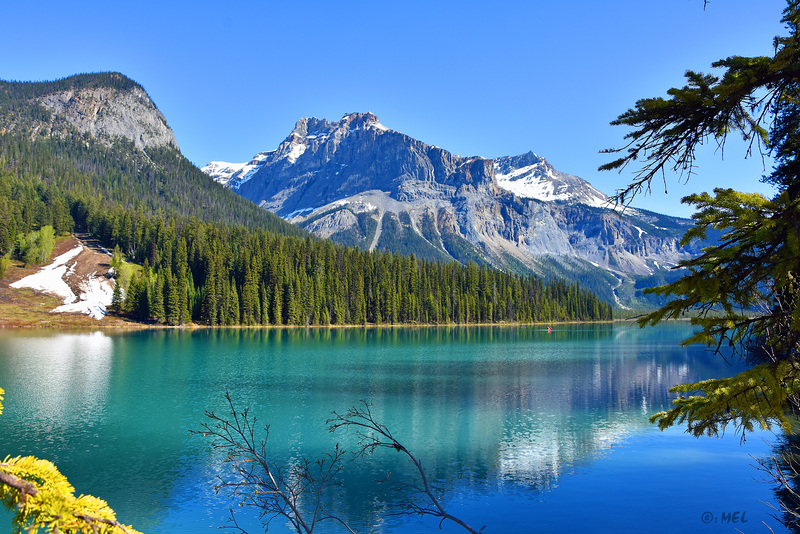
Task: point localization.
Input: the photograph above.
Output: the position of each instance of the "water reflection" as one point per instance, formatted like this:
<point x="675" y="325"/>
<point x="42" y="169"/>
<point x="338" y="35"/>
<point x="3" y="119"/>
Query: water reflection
<point x="54" y="372"/>
<point x="485" y="409"/>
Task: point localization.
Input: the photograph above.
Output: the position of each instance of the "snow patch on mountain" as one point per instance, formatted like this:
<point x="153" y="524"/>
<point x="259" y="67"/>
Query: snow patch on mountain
<point x="377" y="125"/>
<point x="529" y="176"/>
<point x="297" y="213"/>
<point x="95" y="291"/>
<point x="295" y="151"/>
<point x="50" y="279"/>
<point x="222" y="171"/>
<point x="235" y="174"/>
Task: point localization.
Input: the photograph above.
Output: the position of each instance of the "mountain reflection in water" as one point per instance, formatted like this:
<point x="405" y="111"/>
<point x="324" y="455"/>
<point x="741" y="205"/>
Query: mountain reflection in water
<point x="496" y="414"/>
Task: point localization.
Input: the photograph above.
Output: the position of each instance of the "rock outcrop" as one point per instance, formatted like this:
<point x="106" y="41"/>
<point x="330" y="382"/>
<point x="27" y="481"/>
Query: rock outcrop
<point x="107" y="106"/>
<point x="107" y="112"/>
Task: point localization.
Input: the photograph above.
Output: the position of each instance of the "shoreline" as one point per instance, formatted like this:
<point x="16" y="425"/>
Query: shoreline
<point x="192" y="327"/>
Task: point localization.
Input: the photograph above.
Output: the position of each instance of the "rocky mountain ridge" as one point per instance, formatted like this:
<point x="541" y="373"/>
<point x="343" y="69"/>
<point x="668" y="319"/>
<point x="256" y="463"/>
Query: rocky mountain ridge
<point x="360" y="183"/>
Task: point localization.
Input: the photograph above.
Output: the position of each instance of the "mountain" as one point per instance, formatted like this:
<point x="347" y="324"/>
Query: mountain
<point x="93" y="154"/>
<point x="99" y="139"/>
<point x="358" y="182"/>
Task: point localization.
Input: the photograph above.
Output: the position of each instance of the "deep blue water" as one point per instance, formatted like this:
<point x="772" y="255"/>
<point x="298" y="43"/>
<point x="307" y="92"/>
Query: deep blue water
<point x="520" y="430"/>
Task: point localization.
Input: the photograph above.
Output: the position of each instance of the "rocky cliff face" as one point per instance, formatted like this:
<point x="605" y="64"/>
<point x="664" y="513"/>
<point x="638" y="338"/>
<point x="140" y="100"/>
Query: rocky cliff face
<point x="359" y="183"/>
<point x="107" y="112"/>
<point x="107" y="106"/>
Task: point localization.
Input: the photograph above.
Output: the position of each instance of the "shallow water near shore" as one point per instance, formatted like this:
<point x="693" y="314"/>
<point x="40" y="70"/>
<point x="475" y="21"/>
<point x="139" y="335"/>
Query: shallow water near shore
<point x="520" y="429"/>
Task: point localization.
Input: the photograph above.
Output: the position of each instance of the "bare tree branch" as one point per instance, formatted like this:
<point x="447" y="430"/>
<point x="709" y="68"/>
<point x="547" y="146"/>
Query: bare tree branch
<point x="275" y="489"/>
<point x="373" y="435"/>
<point x="297" y="492"/>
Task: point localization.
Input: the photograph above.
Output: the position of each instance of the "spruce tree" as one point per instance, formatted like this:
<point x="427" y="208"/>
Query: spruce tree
<point x="157" y="300"/>
<point x="172" y="301"/>
<point x="116" y="297"/>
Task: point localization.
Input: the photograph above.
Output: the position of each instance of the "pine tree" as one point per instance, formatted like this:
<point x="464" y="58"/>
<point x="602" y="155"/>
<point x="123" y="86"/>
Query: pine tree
<point x="233" y="316"/>
<point x="157" y="301"/>
<point x="264" y="305"/>
<point x="172" y="300"/>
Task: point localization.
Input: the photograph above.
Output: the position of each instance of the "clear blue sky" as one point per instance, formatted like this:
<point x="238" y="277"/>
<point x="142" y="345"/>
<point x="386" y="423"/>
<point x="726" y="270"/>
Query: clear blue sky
<point x="476" y="78"/>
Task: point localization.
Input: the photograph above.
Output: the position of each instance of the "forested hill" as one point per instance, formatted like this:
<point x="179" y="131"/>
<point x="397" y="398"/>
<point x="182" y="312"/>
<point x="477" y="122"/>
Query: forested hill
<point x="18" y="95"/>
<point x="209" y="256"/>
<point x="97" y="139"/>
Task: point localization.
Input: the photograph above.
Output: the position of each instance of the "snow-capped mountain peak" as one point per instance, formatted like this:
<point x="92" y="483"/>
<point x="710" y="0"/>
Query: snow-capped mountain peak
<point x="308" y="133"/>
<point x="360" y="184"/>
<point x="530" y="176"/>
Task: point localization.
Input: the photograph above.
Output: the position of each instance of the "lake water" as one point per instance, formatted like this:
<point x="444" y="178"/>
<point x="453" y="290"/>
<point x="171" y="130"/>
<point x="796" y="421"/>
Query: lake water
<point x="521" y="430"/>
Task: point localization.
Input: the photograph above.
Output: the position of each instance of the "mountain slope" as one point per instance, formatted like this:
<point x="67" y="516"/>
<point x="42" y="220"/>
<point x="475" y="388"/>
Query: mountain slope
<point x="358" y="182"/>
<point x="99" y="138"/>
<point x="529" y="176"/>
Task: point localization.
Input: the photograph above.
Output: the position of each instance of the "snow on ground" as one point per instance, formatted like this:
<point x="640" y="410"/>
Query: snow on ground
<point x="50" y="279"/>
<point x="94" y="299"/>
<point x="95" y="290"/>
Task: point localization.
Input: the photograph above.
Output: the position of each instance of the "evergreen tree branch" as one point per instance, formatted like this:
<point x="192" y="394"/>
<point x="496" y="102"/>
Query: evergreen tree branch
<point x="758" y="396"/>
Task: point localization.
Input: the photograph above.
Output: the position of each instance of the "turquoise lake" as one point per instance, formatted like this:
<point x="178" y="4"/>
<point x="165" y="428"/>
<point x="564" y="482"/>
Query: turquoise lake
<point x="520" y="430"/>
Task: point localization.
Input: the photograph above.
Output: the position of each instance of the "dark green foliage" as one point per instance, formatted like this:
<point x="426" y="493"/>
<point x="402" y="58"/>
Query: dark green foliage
<point x="241" y="276"/>
<point x="219" y="275"/>
<point x="755" y="265"/>
<point x="156" y="311"/>
<point x="116" y="298"/>
<point x="79" y="173"/>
